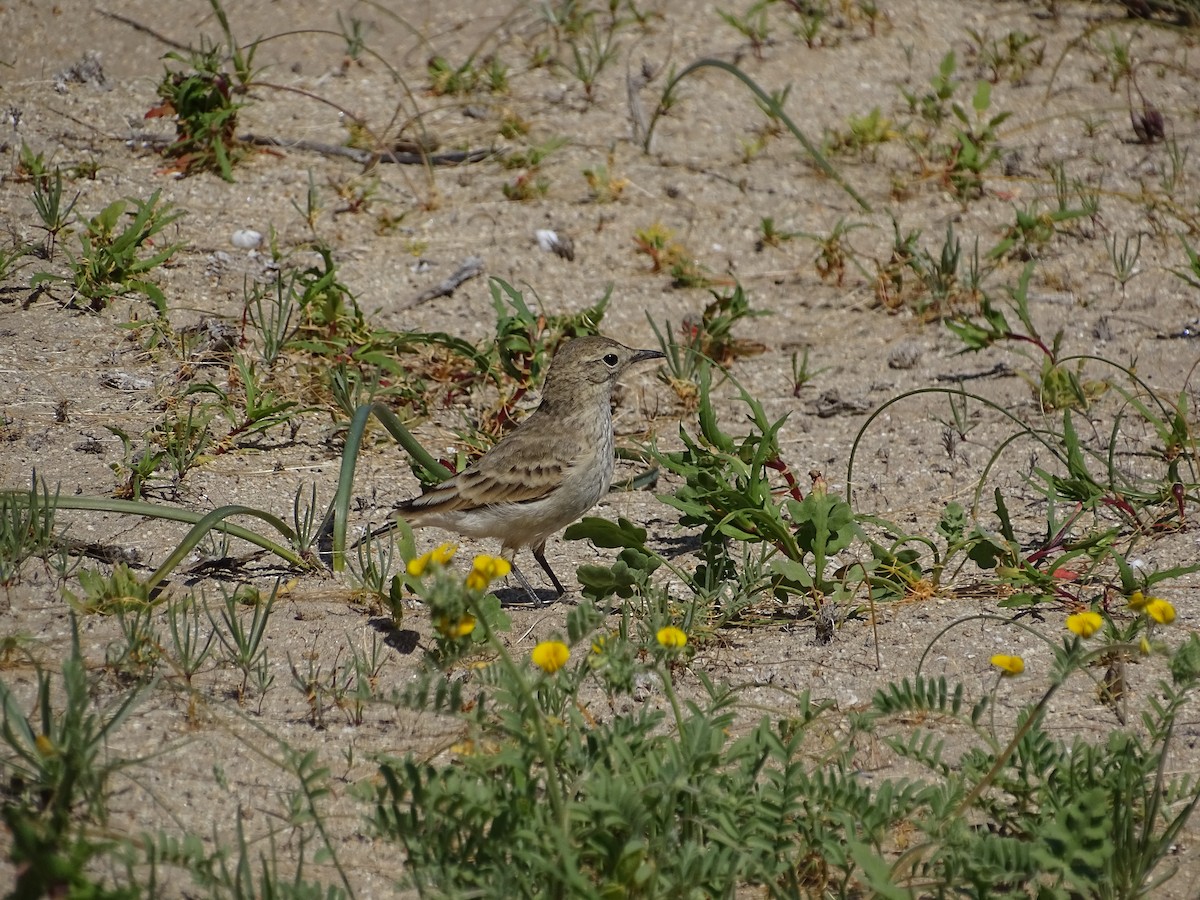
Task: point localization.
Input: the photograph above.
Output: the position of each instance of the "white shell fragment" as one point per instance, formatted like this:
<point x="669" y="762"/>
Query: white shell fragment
<point x="549" y="241"/>
<point x="246" y="238"/>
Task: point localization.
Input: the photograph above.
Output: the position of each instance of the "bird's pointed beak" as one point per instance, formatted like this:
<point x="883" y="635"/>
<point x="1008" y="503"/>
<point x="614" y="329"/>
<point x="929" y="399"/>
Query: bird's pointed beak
<point x="641" y="355"/>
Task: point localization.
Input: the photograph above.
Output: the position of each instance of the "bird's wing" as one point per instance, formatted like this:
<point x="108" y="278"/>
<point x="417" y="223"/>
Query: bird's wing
<point x="517" y="470"/>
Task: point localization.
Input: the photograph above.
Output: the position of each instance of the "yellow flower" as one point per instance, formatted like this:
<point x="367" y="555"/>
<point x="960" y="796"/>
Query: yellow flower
<point x="1138" y="601"/>
<point x="1008" y="665"/>
<point x="671" y="637"/>
<point x="1085" y="624"/>
<point x="485" y="570"/>
<point x="550" y="656"/>
<point x="456" y="629"/>
<point x="441" y="555"/>
<point x="1160" y="610"/>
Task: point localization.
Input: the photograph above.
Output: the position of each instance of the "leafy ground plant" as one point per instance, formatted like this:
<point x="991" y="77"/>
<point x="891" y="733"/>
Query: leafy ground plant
<point x="665" y="799"/>
<point x="111" y="259"/>
<point x="200" y="98"/>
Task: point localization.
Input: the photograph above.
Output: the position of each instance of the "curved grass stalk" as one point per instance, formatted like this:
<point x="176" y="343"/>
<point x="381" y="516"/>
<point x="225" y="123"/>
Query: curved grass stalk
<point x="202" y="523"/>
<point x="958" y="392"/>
<point x="332" y="534"/>
<point x="771" y="104"/>
<point x="213" y="520"/>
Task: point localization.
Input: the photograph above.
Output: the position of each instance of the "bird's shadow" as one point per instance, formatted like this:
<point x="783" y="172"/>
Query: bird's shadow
<point x="403" y="640"/>
<point x="518" y="598"/>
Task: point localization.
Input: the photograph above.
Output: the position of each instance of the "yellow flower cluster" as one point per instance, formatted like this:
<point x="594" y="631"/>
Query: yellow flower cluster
<point x="439" y="555"/>
<point x="671" y="637"/>
<point x="550" y="656"/>
<point x="1158" y="609"/>
<point x="456" y="628"/>
<point x="485" y="570"/>
<point x="1008" y="665"/>
<point x="1085" y="624"/>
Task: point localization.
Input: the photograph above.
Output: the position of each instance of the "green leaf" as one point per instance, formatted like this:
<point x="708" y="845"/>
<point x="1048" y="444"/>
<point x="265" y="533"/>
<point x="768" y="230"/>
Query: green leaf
<point x="606" y="534"/>
<point x="875" y="871"/>
<point x="793" y="571"/>
<point x="983" y="97"/>
<point x="1185" y="664"/>
<point x="952" y="525"/>
<point x="1076" y="843"/>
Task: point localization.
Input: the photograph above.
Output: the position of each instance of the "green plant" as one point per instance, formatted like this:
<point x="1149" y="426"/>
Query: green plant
<point x="752" y="25"/>
<point x="243" y="642"/>
<point x="729" y="491"/>
<point x="634" y="804"/>
<point x="604" y="186"/>
<point x="833" y="251"/>
<point x="931" y="286"/>
<point x="201" y="100"/>
<point x="1124" y="260"/>
<point x="446" y="79"/>
<point x="801" y="373"/>
<point x="32" y="166"/>
<point x="313" y="205"/>
<point x="27" y="528"/>
<point x="184" y="439"/>
<point x="56" y="791"/>
<point x="530" y="183"/>
<point x="189" y="647"/>
<point x="975" y="146"/>
<point x="110" y="261"/>
<point x="120" y="591"/>
<point x="1176" y="168"/>
<point x="1102" y="826"/>
<point x="375" y="576"/>
<point x="354" y="34"/>
<point x="933" y="107"/>
<point x="56" y="218"/>
<point x="668" y="255"/>
<point x="1056" y="385"/>
<point x="683" y="361"/>
<point x="138" y="654"/>
<point x="700" y="342"/>
<point x="1011" y="57"/>
<point x="136" y="468"/>
<point x="591" y="54"/>
<point x="1032" y="231"/>
<point x="811" y="18"/>
<point x="250" y="406"/>
<point x="864" y="134"/>
<point x="13" y="260"/>
<point x="271" y="310"/>
<point x="357" y="683"/>
<point x="771" y="236"/>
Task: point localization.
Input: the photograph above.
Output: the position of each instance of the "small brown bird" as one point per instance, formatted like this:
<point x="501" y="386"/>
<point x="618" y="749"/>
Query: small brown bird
<point x="547" y="472"/>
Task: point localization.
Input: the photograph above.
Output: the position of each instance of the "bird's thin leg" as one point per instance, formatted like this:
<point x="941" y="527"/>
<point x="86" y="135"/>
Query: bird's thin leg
<point x="539" y="553"/>
<point x="537" y="601"/>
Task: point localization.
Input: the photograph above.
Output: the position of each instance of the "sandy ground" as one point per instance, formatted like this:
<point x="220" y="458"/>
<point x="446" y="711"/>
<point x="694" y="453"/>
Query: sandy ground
<point x="67" y="377"/>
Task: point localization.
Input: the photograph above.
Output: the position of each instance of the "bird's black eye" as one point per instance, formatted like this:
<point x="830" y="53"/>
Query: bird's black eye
<point x="611" y="359"/>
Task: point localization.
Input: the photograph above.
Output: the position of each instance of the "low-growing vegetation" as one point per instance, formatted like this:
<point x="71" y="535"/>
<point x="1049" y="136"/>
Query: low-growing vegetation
<point x="910" y="623"/>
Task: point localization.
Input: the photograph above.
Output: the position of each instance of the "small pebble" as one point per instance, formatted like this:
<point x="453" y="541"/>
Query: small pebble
<point x="904" y="356"/>
<point x="246" y="239"/>
<point x="550" y="242"/>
